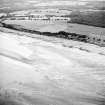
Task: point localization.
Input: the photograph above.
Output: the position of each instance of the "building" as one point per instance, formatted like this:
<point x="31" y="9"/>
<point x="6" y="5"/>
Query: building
<point x="31" y="17"/>
<point x="38" y="17"/>
<point x="18" y="18"/>
<point x="59" y="18"/>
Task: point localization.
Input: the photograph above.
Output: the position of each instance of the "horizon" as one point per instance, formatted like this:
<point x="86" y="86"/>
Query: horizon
<point x="19" y="4"/>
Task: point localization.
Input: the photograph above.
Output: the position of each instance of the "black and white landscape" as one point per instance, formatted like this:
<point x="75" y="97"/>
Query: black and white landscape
<point x="52" y="52"/>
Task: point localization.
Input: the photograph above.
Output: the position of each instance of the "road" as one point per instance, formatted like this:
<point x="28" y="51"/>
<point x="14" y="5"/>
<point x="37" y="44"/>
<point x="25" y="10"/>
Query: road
<point x="37" y="72"/>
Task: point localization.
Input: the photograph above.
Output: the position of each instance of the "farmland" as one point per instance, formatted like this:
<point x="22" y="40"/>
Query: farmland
<point x="44" y="70"/>
<point x="52" y="54"/>
<point x="61" y="28"/>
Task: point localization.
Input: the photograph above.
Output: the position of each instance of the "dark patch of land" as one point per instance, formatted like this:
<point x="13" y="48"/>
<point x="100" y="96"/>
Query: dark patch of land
<point x="92" y="18"/>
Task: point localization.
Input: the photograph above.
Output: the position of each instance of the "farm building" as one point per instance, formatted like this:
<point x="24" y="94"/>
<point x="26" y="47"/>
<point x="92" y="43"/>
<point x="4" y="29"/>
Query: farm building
<point x="18" y="18"/>
<point x="27" y="18"/>
<point x="60" y="18"/>
<point x="38" y="17"/>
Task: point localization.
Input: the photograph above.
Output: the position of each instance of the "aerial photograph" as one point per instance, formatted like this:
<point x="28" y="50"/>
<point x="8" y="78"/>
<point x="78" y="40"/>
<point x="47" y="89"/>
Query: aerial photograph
<point x="52" y="52"/>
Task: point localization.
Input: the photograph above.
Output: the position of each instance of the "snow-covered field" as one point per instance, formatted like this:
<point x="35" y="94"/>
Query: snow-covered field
<point x="34" y="71"/>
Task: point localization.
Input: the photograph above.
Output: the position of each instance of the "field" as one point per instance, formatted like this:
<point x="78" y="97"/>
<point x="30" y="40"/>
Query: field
<point x="43" y="70"/>
<point x="92" y="18"/>
<point x="45" y="62"/>
<point x="50" y="26"/>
